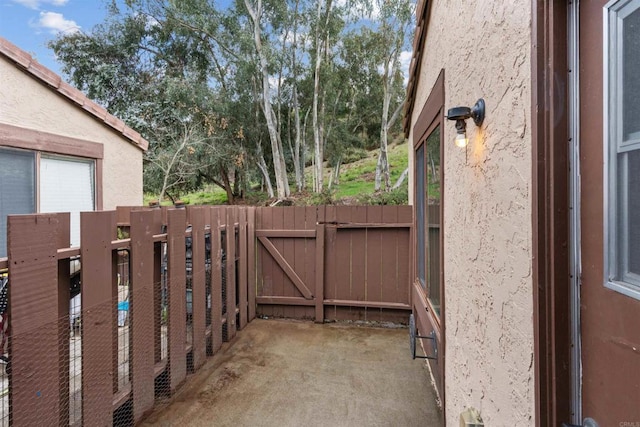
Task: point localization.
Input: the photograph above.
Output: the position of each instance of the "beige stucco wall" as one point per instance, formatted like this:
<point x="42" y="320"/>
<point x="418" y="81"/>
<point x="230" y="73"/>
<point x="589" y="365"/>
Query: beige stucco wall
<point x="485" y="49"/>
<point x="27" y="103"/>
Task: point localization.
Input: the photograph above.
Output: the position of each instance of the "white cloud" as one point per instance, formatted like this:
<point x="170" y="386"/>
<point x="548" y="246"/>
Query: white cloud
<point x="405" y="63"/>
<point x="31" y="4"/>
<point x="56" y="23"/>
<point x="36" y="4"/>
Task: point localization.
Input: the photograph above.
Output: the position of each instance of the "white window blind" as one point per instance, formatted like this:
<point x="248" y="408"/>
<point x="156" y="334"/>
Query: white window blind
<point x="67" y="185"/>
<point x="17" y="188"/>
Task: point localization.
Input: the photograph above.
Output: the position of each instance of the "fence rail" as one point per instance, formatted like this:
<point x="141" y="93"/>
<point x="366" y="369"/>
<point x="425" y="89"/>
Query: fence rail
<point x="159" y="290"/>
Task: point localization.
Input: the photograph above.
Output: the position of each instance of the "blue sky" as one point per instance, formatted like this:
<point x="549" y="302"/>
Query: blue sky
<point x="30" y="24"/>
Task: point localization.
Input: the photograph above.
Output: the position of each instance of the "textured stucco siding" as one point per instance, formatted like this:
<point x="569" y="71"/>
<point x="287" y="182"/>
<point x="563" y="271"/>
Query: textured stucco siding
<point x="485" y="49"/>
<point x="27" y="103"/>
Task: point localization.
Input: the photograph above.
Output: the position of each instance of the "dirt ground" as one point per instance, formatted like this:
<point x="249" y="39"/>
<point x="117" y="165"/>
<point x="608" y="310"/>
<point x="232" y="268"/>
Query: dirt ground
<point x="288" y="373"/>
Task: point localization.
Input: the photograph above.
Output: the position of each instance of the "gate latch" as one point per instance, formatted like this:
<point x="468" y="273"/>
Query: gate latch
<point x="413" y="335"/>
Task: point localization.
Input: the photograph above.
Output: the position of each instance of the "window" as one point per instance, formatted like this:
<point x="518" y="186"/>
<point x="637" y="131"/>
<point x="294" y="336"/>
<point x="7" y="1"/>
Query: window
<point x="67" y="185"/>
<point x="622" y="121"/>
<point x="17" y="188"/>
<point x="64" y="184"/>
<point x="428" y="216"/>
<point x="421" y="218"/>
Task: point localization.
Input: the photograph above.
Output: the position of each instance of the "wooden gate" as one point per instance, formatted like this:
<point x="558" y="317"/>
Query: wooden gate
<point x="334" y="262"/>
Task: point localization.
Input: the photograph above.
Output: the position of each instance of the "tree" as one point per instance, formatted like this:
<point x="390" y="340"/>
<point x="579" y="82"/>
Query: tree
<point x="228" y="95"/>
<point x="395" y="18"/>
<point x="280" y="168"/>
<point x="153" y="73"/>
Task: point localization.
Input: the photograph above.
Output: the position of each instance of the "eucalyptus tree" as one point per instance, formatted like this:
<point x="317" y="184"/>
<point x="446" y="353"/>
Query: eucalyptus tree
<point x="393" y="27"/>
<point x="155" y="75"/>
<point x="229" y="94"/>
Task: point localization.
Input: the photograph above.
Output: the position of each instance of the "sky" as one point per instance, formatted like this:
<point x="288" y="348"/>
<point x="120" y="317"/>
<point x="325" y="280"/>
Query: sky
<point x="30" y="24"/>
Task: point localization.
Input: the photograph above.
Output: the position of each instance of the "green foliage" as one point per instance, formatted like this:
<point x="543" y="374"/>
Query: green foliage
<point x="399" y="196"/>
<point x="122" y="233"/>
<point x="218" y="197"/>
<point x="209" y="195"/>
<point x="186" y="75"/>
<point x="325" y="197"/>
<point x="353" y="154"/>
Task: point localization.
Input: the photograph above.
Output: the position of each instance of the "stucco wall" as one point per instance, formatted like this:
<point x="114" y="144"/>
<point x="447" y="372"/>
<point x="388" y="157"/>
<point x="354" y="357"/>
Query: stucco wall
<point x="485" y="48"/>
<point x="27" y="103"/>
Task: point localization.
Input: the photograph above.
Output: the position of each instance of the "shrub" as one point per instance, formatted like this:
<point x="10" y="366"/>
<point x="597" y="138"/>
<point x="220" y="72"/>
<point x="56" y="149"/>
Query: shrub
<point x="398" y="196"/>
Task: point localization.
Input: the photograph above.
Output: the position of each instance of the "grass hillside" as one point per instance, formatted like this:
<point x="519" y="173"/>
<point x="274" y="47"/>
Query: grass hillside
<point x="358" y="178"/>
<point x="357" y="181"/>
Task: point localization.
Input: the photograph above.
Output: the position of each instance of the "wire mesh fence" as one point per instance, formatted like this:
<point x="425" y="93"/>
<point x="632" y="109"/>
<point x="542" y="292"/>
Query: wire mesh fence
<point x="5" y="367"/>
<point x="100" y="332"/>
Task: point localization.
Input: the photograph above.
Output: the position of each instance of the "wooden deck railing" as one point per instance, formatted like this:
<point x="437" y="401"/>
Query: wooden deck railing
<point x="164" y="339"/>
<point x="185" y="280"/>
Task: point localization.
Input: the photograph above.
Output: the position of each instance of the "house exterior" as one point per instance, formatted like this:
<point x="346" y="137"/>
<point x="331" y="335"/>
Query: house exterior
<point x="531" y="289"/>
<point x="60" y="151"/>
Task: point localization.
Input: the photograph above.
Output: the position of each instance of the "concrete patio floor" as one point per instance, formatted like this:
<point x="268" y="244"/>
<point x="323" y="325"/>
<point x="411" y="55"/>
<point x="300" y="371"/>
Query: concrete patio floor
<point x="289" y="373"/>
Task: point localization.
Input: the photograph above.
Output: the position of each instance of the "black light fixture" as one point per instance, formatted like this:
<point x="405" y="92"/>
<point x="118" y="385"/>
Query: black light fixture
<point x="460" y="115"/>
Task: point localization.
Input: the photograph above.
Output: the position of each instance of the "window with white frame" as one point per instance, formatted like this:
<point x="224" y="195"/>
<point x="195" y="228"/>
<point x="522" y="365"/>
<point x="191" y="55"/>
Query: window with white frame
<point x="64" y="184"/>
<point x="622" y="131"/>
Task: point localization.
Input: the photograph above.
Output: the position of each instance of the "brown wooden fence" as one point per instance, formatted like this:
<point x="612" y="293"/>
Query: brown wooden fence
<point x="161" y="289"/>
<point x="334" y="262"/>
<point x="186" y="292"/>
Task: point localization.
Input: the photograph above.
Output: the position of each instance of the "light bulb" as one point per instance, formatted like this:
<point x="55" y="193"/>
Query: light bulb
<point x="461" y="140"/>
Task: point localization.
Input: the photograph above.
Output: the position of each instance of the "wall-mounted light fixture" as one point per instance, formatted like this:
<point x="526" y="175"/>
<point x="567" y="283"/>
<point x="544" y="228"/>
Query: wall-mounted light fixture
<point x="460" y="115"/>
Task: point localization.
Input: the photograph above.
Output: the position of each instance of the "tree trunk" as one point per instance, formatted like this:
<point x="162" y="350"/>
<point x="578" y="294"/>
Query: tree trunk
<point x="227" y="184"/>
<point x="318" y="148"/>
<point x="401" y="179"/>
<point x="319" y="104"/>
<point x="262" y="165"/>
<point x="296" y="152"/>
<point x="303" y="154"/>
<point x="382" y="167"/>
<point x="298" y="168"/>
<point x="279" y="166"/>
<point x="336" y="172"/>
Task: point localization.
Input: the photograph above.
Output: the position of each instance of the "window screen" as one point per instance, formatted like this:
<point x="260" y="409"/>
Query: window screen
<point x="67" y="185"/>
<point x="17" y="188"/>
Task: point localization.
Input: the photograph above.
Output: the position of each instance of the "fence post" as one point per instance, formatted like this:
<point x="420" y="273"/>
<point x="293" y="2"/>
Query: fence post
<point x="97" y="230"/>
<point x="177" y="303"/>
<point x="251" y="262"/>
<point x="319" y="293"/>
<point x="64" y="297"/>
<point x="216" y="281"/>
<point x="242" y="268"/>
<point x="199" y="297"/>
<point x="37" y="362"/>
<point x="143" y="227"/>
<point x="231" y="273"/>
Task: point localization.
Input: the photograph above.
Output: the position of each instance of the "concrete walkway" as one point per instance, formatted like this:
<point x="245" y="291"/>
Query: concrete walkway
<point x="288" y="373"/>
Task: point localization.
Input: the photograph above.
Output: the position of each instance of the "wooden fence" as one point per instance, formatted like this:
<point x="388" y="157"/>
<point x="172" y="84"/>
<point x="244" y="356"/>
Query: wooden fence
<point x="334" y="262"/>
<point x="161" y="289"/>
<point x="187" y="292"/>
